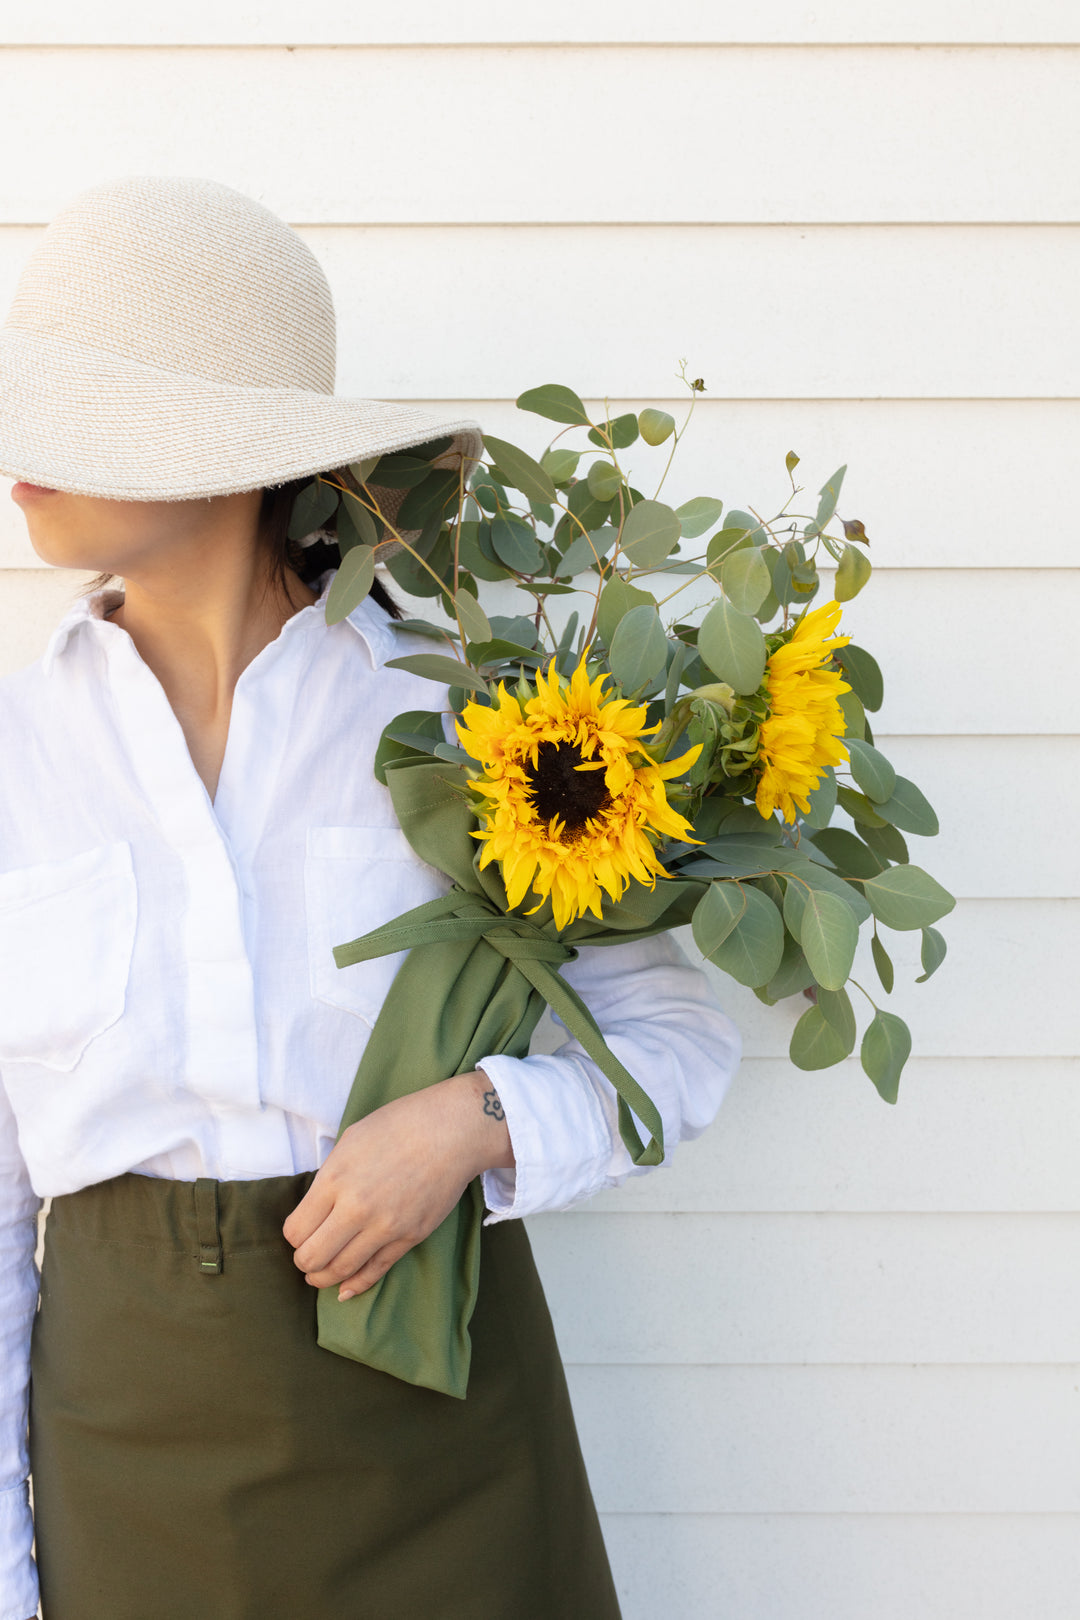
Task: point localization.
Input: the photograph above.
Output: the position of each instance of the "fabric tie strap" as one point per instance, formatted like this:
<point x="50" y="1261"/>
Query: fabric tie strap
<point x="460" y="915"/>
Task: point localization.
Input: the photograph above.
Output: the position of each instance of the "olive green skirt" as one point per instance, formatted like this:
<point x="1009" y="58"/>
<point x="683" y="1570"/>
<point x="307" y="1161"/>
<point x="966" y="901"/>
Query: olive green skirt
<point x="196" y="1454"/>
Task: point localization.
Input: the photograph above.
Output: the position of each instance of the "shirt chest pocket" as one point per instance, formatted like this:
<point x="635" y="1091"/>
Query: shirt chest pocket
<point x="356" y="879"/>
<point x="67" y="930"/>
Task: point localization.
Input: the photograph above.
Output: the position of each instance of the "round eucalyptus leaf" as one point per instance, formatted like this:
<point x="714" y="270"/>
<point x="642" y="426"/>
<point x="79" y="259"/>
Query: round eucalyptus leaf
<point x="639" y="648"/>
<point x="863" y="673"/>
<point x="753" y="950"/>
<point x="838" y="1011"/>
<point x="908" y="809"/>
<point x="886" y="1047"/>
<point x="560" y="465"/>
<point x="616" y="599"/>
<point x="828" y="934"/>
<point x="716" y="914"/>
<point x="933" y="953"/>
<point x="520" y="470"/>
<point x="553" y="401"/>
<point x="650" y="533"/>
<point x="698" y="515"/>
<point x="655" y="426"/>
<point x="873" y="772"/>
<point x="815" y="1044"/>
<point x="515" y="544"/>
<point x="313" y="505"/>
<point x="474" y="621"/>
<point x="745" y="579"/>
<point x="604" y="480"/>
<point x="586" y="551"/>
<point x="615" y="435"/>
<point x="733" y="646"/>
<point x="822" y="800"/>
<point x="852" y="572"/>
<point x="352" y="582"/>
<point x="907" y="897"/>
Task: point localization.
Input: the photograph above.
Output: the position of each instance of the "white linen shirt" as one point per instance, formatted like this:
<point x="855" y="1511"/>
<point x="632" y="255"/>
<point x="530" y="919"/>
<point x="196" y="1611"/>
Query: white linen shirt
<point x="169" y="1001"/>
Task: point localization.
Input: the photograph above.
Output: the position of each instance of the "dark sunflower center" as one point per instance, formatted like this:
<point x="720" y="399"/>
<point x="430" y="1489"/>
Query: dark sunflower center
<point x="558" y="789"/>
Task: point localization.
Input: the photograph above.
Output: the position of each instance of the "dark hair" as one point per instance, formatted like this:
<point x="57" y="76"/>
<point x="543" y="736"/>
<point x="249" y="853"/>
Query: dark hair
<point x="307" y="561"/>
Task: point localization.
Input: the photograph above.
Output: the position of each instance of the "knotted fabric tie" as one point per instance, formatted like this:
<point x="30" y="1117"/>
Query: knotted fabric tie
<point x="536" y="955"/>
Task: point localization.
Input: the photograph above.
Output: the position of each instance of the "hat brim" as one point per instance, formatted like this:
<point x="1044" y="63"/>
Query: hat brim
<point x="89" y="422"/>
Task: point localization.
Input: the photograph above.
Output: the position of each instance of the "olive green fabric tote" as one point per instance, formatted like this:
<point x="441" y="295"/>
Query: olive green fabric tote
<point x="475" y="982"/>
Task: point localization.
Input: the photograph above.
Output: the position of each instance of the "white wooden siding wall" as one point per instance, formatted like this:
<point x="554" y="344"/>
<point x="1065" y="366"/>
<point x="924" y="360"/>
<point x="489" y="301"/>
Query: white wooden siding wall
<point x="826" y="1366"/>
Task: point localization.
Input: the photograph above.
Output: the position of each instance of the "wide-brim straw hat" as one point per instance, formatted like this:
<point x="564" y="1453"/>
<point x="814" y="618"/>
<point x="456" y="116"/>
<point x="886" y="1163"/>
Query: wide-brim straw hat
<point x="171" y="338"/>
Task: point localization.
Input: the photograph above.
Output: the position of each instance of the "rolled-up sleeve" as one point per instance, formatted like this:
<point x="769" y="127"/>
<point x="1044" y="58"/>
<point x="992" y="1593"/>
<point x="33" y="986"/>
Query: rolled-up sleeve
<point x="19" y="1207"/>
<point x="660" y="1016"/>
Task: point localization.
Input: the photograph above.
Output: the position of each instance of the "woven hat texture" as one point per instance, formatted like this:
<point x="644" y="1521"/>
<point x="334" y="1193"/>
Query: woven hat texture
<point x="172" y="338"/>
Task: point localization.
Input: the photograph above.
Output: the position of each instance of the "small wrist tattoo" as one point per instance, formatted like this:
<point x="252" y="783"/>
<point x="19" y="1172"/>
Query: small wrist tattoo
<point x="492" y="1105"/>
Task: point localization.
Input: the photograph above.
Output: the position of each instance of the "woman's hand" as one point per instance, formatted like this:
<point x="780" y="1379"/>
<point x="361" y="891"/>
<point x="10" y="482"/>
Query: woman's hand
<point x="393" y="1178"/>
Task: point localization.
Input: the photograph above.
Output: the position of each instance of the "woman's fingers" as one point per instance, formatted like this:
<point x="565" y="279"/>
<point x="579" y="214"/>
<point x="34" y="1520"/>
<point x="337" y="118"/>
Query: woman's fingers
<point x="369" y="1273"/>
<point x="310" y="1212"/>
<point x="350" y="1257"/>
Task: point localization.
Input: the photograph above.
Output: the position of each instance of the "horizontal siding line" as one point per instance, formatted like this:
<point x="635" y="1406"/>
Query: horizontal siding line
<point x="969" y="1368"/>
<point x="550" y="43"/>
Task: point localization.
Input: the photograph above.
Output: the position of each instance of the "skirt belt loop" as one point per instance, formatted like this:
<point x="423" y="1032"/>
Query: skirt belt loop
<point x="207" y="1228"/>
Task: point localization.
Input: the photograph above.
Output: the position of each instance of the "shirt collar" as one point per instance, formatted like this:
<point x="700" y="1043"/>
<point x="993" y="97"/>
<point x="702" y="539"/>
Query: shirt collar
<point x="371" y="622"/>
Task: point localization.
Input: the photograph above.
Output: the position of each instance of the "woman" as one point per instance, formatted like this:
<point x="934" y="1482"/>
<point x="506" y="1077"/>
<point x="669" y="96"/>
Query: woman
<point x="189" y="822"/>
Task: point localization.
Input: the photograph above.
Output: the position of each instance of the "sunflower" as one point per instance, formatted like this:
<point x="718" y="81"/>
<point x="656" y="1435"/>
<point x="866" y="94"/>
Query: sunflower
<point x="570" y="801"/>
<point x="801" y="735"/>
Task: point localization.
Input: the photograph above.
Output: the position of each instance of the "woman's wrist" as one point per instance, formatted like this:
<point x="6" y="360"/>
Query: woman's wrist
<point x="484" y="1122"/>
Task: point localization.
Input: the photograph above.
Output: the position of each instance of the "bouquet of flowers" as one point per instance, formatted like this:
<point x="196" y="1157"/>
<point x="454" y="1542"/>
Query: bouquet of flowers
<point x="623" y="764"/>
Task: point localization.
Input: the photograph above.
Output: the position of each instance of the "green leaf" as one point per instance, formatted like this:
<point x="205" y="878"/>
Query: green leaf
<point x="752" y="951"/>
<point x="716" y="915"/>
<point x="697" y="515"/>
<point x="838" y="1011"/>
<point x="413" y="576"/>
<point x="862" y="810"/>
<point x="871" y="770"/>
<point x="907" y="809"/>
<point x="474" y="621"/>
<point x="560" y="465"/>
<point x="476" y="553"/>
<point x="822" y="800"/>
<point x="520" y="470"/>
<point x="815" y="1044"/>
<point x="852" y="572"/>
<point x="583" y="552"/>
<point x="828" y="934"/>
<point x="433" y="496"/>
<point x="352" y="582"/>
<point x="313" y="505"/>
<point x="907" y="897"/>
<point x="847" y="852"/>
<point x="815" y="876"/>
<point x="399" y="471"/>
<point x="854" y="718"/>
<point x="355" y="516"/>
<point x="863" y="674"/>
<point x="830" y="494"/>
<point x="434" y="667"/>
<point x="887" y="844"/>
<point x="655" y="426"/>
<point x="621" y="432"/>
<point x="604" y="481"/>
<point x="650" y="533"/>
<point x="515" y="544"/>
<point x="883" y="962"/>
<point x="791" y="461"/>
<point x="638" y="649"/>
<point x="793" y="974"/>
<point x="616" y="599"/>
<point x="886" y="1047"/>
<point x="733" y="646"/>
<point x="420" y="722"/>
<point x="933" y="953"/>
<point x="498" y="650"/>
<point x="745" y="579"/>
<point x="553" y="401"/>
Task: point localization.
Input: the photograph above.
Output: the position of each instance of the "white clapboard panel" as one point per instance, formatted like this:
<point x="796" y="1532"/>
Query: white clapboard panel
<point x="884" y="1439"/>
<point x="968" y="1134"/>
<point x="425" y="22"/>
<point x="817" y="1566"/>
<point x="1006" y="989"/>
<point x="331" y="135"/>
<point x="937" y="483"/>
<point x="762" y="1289"/>
<point x="938" y="636"/>
<point x="757" y="312"/>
